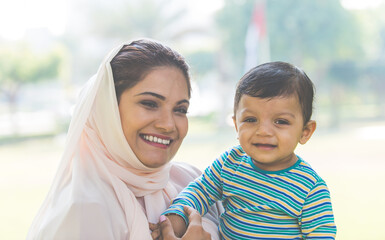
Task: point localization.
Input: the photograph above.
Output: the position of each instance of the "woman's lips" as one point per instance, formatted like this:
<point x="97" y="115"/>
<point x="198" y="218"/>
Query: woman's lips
<point x="156" y="140"/>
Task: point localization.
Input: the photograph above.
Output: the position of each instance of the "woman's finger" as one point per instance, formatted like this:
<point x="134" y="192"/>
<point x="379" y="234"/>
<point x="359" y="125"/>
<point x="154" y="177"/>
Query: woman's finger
<point x="193" y="215"/>
<point x="155" y="234"/>
<point x="155" y="231"/>
<point x="153" y="226"/>
<point x="195" y="229"/>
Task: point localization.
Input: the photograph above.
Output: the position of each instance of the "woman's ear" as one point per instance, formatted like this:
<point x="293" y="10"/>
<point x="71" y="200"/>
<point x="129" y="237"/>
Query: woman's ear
<point x="308" y="131"/>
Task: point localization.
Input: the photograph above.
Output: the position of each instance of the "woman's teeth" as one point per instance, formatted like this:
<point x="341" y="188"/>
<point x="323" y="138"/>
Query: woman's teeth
<point x="156" y="139"/>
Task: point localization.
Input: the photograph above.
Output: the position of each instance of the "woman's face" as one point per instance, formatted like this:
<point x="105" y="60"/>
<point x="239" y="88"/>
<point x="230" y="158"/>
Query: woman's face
<point x="153" y="115"/>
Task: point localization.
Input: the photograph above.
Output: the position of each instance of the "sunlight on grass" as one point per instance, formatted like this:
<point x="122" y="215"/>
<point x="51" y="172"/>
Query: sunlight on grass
<point x="26" y="172"/>
<point x="352" y="166"/>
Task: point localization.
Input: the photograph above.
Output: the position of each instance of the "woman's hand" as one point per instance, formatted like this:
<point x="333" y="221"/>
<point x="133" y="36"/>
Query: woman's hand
<point x="155" y="231"/>
<point x="194" y="231"/>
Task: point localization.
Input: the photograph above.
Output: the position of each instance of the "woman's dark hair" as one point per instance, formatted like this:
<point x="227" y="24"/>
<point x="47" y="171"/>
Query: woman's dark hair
<point x="277" y="79"/>
<point x="135" y="60"/>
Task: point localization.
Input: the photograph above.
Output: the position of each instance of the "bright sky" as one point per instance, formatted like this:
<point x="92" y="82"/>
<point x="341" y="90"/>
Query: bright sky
<point x="361" y="4"/>
<point x="16" y="16"/>
<point x="209" y="6"/>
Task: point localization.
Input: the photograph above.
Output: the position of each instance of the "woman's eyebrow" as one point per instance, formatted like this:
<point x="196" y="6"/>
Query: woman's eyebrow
<point x="152" y="94"/>
<point x="161" y="97"/>
<point x="183" y="101"/>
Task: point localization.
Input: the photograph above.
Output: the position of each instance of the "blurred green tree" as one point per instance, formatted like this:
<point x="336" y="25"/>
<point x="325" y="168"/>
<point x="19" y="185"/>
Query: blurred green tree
<point x="323" y="38"/>
<point x="314" y="35"/>
<point x="320" y="30"/>
<point x="310" y="33"/>
<point x="375" y="73"/>
<point x="233" y="20"/>
<point x="146" y="18"/>
<point x="97" y="27"/>
<point x="19" y="66"/>
<point x="345" y="76"/>
<point x="201" y="62"/>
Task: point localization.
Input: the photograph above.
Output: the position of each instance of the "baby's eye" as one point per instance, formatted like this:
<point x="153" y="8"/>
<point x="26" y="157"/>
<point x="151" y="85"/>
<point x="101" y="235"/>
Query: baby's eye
<point x="250" y="119"/>
<point x="149" y="104"/>
<point x="281" y="122"/>
<point x="182" y="110"/>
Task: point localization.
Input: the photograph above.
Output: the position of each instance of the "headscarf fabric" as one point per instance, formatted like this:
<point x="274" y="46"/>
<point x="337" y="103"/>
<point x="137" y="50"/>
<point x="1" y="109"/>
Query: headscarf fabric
<point x="99" y="180"/>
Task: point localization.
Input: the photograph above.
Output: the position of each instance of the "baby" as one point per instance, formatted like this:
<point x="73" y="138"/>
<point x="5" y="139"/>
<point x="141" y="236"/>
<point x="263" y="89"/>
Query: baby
<point x="268" y="192"/>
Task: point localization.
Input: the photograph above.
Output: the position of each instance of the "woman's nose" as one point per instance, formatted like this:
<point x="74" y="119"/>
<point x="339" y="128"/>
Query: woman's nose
<point x="166" y="122"/>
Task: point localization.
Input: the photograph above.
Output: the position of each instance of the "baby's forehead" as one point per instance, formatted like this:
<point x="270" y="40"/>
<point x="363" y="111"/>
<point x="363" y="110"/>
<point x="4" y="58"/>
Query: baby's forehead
<point x="248" y="101"/>
<point x="267" y="98"/>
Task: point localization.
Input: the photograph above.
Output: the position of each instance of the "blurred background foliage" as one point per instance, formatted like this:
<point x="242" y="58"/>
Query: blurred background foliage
<point x="341" y="49"/>
<point x="50" y="48"/>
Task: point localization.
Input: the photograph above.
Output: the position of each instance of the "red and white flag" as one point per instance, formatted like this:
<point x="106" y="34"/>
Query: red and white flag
<point x="257" y="41"/>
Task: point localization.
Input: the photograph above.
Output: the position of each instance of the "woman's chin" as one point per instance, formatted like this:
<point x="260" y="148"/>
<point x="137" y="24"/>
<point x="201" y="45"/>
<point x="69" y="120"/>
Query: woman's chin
<point x="155" y="163"/>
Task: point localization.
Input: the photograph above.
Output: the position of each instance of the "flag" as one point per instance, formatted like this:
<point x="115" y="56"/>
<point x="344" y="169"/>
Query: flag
<point x="257" y="42"/>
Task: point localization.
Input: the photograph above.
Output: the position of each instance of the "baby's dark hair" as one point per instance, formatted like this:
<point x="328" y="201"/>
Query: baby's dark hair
<point x="277" y="79"/>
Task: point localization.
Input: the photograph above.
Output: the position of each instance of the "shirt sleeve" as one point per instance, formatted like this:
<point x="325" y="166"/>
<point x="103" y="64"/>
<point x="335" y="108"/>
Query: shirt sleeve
<point x="201" y="193"/>
<point x="317" y="220"/>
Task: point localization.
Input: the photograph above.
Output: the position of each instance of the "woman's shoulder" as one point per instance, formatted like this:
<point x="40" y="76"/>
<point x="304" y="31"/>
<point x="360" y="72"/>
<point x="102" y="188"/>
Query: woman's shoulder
<point x="87" y="194"/>
<point x="181" y="174"/>
<point x="185" y="170"/>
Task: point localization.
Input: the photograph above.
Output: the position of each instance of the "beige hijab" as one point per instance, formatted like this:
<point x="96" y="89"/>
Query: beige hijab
<point x="99" y="181"/>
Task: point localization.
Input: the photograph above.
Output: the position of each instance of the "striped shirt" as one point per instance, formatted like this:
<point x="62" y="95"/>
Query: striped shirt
<point x="289" y="204"/>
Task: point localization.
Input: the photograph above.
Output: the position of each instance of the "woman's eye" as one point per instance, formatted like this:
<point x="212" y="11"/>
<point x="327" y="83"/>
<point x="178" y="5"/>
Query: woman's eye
<point x="150" y="104"/>
<point x="182" y="110"/>
<point x="281" y="122"/>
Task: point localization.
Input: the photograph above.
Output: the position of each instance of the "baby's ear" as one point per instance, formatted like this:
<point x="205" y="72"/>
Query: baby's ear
<point x="235" y="123"/>
<point x="308" y="131"/>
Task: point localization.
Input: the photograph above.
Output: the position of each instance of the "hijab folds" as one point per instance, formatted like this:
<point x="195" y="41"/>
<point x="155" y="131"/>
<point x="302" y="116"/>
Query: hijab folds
<point x="99" y="180"/>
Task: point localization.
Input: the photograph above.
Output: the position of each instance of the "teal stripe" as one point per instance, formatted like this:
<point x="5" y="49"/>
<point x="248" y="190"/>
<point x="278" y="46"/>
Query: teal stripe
<point x="260" y="204"/>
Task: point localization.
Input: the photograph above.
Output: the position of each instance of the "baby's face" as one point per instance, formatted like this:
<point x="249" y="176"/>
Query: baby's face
<point x="270" y="129"/>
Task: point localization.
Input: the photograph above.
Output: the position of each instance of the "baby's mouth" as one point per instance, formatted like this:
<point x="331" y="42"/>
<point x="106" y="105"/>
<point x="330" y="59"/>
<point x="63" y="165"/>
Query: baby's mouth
<point x="265" y="145"/>
<point x="154" y="139"/>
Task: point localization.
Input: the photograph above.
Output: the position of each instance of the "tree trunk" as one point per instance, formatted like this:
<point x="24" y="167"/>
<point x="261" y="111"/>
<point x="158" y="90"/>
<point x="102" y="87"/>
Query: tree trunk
<point x="224" y="86"/>
<point x="12" y="96"/>
<point x="335" y="106"/>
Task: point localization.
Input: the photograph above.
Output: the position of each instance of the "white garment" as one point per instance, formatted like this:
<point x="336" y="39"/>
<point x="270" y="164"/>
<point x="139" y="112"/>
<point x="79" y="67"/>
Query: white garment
<point x="101" y="189"/>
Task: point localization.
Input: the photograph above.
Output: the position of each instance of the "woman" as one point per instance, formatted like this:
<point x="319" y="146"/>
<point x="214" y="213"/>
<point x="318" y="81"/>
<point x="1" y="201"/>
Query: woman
<point x="115" y="177"/>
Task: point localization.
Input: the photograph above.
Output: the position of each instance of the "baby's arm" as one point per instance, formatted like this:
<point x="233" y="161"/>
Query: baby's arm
<point x="194" y="231"/>
<point x="192" y="196"/>
<point x="200" y="195"/>
<point x="178" y="224"/>
<point x="317" y="214"/>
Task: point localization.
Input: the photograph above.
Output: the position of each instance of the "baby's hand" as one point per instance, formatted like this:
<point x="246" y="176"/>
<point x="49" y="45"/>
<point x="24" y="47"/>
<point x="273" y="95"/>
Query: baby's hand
<point x="155" y="231"/>
<point x="194" y="231"/>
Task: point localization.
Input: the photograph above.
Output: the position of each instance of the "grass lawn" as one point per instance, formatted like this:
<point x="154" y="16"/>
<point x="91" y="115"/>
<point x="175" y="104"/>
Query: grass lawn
<point x="351" y="161"/>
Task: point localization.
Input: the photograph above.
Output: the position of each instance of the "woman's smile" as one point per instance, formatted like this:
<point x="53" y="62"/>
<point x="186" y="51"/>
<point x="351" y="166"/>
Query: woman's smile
<point x="156" y="140"/>
<point x="153" y="115"/>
